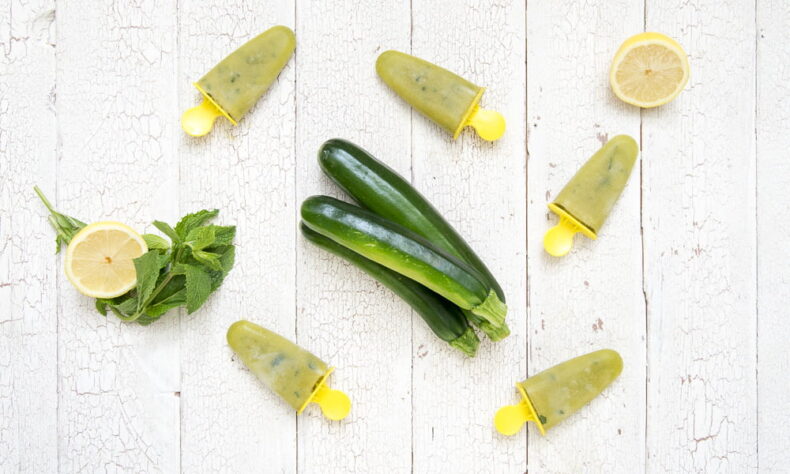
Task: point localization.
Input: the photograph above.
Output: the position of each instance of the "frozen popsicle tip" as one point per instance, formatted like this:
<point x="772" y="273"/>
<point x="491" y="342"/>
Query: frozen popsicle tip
<point x="441" y="95"/>
<point x="236" y="83"/>
<point x="556" y="393"/>
<point x="296" y="375"/>
<point x="586" y="201"/>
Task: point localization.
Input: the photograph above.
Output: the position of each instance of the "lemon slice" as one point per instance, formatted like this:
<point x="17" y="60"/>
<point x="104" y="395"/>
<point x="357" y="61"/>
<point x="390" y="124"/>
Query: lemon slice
<point x="99" y="259"/>
<point x="649" y="69"/>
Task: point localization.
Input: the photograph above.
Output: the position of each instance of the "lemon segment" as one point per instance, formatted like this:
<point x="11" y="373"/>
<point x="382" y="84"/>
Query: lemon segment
<point x="99" y="259"/>
<point x="649" y="69"/>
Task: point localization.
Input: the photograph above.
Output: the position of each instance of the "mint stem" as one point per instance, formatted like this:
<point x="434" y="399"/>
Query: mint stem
<point x="154" y="294"/>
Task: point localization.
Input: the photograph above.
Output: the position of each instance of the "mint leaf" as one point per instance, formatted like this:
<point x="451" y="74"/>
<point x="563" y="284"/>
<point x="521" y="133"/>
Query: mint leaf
<point x="164" y="259"/>
<point x="194" y="220"/>
<point x="176" y="284"/>
<point x="223" y="234"/>
<point x="147" y="268"/>
<point x="198" y="287"/>
<point x="226" y="259"/>
<point x="127" y="307"/>
<point x="101" y="306"/>
<point x="209" y="259"/>
<point x="173" y="301"/>
<point x="200" y="237"/>
<point x="168" y="231"/>
<point x="156" y="242"/>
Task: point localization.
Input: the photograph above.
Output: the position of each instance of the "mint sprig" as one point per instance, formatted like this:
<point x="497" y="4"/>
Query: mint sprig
<point x="183" y="271"/>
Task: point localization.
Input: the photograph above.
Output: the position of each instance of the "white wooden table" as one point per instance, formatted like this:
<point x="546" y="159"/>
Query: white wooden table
<point x="688" y="280"/>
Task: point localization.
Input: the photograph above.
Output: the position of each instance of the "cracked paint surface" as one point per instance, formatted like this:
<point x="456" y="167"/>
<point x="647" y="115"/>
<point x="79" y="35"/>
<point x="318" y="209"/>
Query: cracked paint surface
<point x="687" y="280"/>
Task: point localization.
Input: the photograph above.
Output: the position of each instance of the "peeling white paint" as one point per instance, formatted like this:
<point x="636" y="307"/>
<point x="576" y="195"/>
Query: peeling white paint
<point x="90" y="100"/>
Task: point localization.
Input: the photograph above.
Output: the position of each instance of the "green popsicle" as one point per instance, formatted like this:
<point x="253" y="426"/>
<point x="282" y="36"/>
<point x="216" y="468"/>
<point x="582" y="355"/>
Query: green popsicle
<point x="445" y="97"/>
<point x="556" y="393"/>
<point x="234" y="85"/>
<point x="586" y="201"/>
<point x="291" y="372"/>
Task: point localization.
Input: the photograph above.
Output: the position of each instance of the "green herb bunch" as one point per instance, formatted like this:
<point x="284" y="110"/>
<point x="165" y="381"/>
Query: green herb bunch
<point x="183" y="271"/>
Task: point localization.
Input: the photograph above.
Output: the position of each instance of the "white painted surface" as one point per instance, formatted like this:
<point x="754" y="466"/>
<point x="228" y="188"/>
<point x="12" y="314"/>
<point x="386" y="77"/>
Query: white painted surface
<point x="773" y="226"/>
<point x="592" y="298"/>
<point x="687" y="281"/>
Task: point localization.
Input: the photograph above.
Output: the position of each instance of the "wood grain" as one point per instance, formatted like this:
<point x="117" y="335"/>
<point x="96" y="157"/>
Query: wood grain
<point x="479" y="188"/>
<point x="28" y="267"/>
<point x="773" y="226"/>
<point x="687" y="280"/>
<point x="344" y="316"/>
<point x="230" y="421"/>
<point x="699" y="237"/>
<point x="591" y="298"/>
<point x="117" y="407"/>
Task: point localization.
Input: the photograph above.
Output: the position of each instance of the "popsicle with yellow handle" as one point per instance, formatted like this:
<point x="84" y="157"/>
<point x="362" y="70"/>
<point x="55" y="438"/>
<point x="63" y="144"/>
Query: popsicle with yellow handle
<point x="443" y="96"/>
<point x="296" y="375"/>
<point x="556" y="393"/>
<point x="586" y="201"/>
<point x="233" y="86"/>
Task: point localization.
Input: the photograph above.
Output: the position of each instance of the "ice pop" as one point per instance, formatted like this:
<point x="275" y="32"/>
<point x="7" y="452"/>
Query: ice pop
<point x="556" y="393"/>
<point x="586" y="201"/>
<point x="291" y="372"/>
<point x="444" y="97"/>
<point x="233" y="86"/>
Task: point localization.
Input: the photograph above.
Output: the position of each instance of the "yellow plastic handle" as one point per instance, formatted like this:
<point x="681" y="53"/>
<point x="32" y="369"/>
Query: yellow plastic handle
<point x="334" y="404"/>
<point x="509" y="419"/>
<point x="558" y="240"/>
<point x="199" y="120"/>
<point x="489" y="124"/>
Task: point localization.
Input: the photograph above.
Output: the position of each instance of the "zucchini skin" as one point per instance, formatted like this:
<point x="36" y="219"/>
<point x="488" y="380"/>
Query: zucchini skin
<point x="403" y="251"/>
<point x="444" y="318"/>
<point x="380" y="189"/>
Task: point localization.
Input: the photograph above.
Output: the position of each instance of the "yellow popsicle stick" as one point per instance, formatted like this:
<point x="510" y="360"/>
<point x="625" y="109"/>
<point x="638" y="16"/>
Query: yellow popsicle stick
<point x="558" y="240"/>
<point x="509" y="419"/>
<point x="199" y="120"/>
<point x="334" y="404"/>
<point x="489" y="124"/>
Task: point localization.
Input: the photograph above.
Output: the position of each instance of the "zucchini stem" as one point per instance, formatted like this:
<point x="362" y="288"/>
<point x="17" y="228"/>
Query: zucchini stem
<point x="492" y="310"/>
<point x="466" y="342"/>
<point x="494" y="333"/>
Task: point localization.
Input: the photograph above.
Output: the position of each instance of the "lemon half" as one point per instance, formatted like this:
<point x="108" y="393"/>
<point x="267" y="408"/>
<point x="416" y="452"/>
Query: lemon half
<point x="99" y="259"/>
<point x="649" y="69"/>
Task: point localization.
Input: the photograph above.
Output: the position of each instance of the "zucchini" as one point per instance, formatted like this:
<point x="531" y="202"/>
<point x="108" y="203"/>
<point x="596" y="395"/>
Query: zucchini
<point x="444" y="318"/>
<point x="405" y="252"/>
<point x="381" y="190"/>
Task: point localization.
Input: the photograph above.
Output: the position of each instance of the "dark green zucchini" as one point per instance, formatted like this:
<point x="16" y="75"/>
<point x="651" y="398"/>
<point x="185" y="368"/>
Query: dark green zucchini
<point x="405" y="252"/>
<point x="444" y="318"/>
<point x="380" y="189"/>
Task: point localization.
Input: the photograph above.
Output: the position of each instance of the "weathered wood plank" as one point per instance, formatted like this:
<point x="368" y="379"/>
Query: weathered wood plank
<point x="591" y="298"/>
<point x="480" y="188"/>
<point x="230" y="421"/>
<point x="118" y="406"/>
<point x="773" y="226"/>
<point x="343" y="315"/>
<point x="699" y="238"/>
<point x="28" y="268"/>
